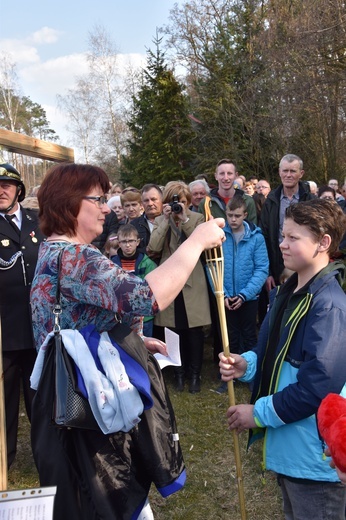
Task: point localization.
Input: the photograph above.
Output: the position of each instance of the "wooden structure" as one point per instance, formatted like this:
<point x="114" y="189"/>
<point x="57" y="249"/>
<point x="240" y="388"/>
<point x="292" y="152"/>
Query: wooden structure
<point x="22" y="144"/>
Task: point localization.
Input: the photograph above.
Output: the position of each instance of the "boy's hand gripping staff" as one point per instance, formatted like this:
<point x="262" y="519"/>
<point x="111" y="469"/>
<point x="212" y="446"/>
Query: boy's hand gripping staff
<point x="215" y="265"/>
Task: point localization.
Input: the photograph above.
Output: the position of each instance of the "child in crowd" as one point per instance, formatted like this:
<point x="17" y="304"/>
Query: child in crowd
<point x="246" y="270"/>
<point x="300" y="357"/>
<point x="111" y="246"/>
<point x="130" y="259"/>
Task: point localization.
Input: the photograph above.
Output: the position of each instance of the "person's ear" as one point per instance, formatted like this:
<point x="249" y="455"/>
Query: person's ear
<point x="325" y="243"/>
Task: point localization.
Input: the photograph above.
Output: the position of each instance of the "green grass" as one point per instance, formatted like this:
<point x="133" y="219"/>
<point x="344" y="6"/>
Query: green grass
<point x="211" y="491"/>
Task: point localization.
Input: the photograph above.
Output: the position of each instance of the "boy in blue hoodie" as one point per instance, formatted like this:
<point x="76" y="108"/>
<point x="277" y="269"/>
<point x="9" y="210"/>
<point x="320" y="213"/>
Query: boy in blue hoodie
<point x="300" y="357"/>
<point x="246" y="270"/>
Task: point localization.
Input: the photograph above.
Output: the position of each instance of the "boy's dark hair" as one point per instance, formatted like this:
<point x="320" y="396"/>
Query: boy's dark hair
<point x="236" y="203"/>
<point x="127" y="230"/>
<point x="321" y="217"/>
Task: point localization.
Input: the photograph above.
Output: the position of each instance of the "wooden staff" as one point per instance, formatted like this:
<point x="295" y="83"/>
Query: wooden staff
<point x="3" y="445"/>
<point x="215" y="264"/>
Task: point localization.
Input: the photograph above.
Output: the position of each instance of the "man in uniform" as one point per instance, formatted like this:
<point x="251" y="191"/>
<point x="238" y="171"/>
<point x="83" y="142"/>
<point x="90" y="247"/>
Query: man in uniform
<point x="20" y="238"/>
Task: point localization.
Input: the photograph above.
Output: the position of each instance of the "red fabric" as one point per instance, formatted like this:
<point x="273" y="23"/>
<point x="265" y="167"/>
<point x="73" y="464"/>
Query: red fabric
<point x="331" y="418"/>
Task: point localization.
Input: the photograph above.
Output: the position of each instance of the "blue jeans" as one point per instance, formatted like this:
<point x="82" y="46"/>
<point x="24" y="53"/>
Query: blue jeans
<point x="310" y="500"/>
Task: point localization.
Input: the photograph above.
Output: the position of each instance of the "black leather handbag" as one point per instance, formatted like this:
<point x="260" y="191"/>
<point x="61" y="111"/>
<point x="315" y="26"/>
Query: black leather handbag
<point x="70" y="408"/>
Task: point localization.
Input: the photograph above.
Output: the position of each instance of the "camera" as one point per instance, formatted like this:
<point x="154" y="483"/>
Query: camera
<point x="176" y="208"/>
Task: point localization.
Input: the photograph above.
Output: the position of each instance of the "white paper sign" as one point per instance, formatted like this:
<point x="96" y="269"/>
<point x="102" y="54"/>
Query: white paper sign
<point x="172" y="344"/>
<point x="27" y="504"/>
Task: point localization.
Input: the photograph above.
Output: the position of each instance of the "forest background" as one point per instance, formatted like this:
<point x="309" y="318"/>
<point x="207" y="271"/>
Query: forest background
<point x="249" y="80"/>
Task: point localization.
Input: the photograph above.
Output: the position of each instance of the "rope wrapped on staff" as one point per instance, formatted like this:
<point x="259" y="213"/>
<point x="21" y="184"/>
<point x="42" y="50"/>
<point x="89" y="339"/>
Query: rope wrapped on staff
<point x="215" y="265"/>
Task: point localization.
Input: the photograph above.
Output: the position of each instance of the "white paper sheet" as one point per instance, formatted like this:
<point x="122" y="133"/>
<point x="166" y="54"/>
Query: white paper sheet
<point x="27" y="504"/>
<point x="172" y="344"/>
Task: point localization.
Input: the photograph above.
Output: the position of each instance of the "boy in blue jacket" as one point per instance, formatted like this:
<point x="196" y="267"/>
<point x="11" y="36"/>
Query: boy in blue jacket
<point x="300" y="358"/>
<point x="246" y="270"/>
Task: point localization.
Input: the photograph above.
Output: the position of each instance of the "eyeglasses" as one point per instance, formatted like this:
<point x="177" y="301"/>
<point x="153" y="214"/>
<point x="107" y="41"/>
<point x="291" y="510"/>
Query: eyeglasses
<point x="99" y="201"/>
<point x="326" y="198"/>
<point x="262" y="187"/>
<point x="125" y="242"/>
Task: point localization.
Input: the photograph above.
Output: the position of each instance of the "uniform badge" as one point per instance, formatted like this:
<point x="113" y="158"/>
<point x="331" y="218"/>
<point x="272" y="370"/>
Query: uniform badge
<point x="33" y="238"/>
<point x="5" y="242"/>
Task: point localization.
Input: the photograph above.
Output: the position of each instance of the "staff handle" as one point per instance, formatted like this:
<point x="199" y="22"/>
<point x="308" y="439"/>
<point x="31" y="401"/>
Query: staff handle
<point x="231" y="398"/>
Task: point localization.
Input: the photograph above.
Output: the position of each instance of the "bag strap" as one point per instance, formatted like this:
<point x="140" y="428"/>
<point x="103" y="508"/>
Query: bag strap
<point x="57" y="305"/>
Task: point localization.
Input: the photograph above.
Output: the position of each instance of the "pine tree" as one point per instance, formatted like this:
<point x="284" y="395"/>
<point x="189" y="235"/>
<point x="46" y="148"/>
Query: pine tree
<point x="161" y="146"/>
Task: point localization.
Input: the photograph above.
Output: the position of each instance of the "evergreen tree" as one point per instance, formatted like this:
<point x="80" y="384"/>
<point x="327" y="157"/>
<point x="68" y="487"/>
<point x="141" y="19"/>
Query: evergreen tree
<point x="161" y="144"/>
<point x="31" y="118"/>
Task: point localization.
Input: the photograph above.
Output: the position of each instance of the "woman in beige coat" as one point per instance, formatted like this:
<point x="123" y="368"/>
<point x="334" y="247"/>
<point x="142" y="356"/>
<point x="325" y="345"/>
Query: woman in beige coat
<point x="190" y="310"/>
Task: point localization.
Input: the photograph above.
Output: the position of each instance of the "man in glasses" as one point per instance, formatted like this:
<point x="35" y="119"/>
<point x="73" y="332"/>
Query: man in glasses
<point x="333" y="183"/>
<point x="263" y="187"/>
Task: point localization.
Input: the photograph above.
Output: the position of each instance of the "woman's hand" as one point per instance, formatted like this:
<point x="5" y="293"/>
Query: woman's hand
<point x="167" y="280"/>
<point x="232" y="367"/>
<point x="209" y="234"/>
<point x="155" y="346"/>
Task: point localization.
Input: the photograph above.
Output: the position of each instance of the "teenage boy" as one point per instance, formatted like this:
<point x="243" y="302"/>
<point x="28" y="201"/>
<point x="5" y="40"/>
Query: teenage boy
<point x="246" y="270"/>
<point x="226" y="174"/>
<point x="131" y="259"/>
<point x="300" y="358"/>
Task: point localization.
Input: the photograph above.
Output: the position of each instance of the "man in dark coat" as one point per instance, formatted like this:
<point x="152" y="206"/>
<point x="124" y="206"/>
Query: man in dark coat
<point x="20" y="238"/>
<point x="151" y="197"/>
<point x="290" y="191"/>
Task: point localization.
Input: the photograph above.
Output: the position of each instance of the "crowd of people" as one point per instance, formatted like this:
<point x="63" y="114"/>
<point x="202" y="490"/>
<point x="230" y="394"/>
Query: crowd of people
<point x="283" y="255"/>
